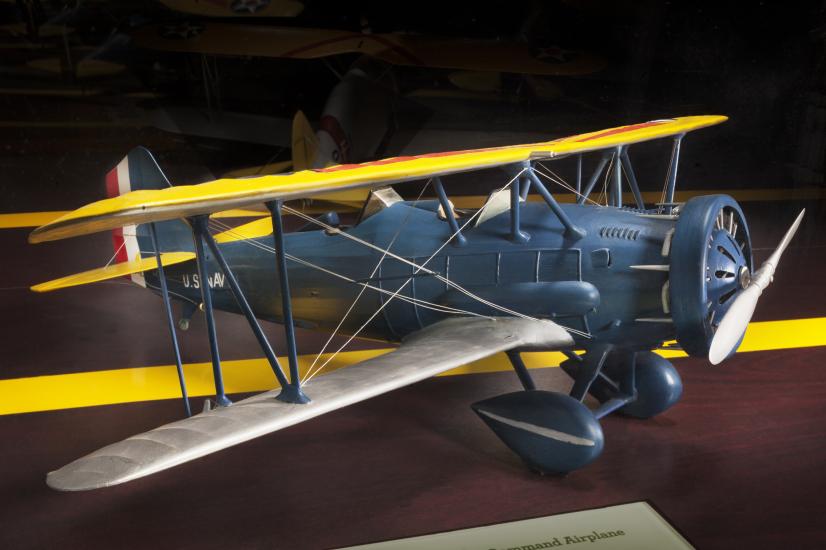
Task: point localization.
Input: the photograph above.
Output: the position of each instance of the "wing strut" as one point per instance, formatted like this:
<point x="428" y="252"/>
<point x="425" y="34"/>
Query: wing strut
<point x="579" y="174"/>
<point x="672" y="174"/>
<point x="517" y="235"/>
<point x="290" y="389"/>
<point x="200" y="232"/>
<point x="170" y="320"/>
<point x="571" y="230"/>
<point x="616" y="188"/>
<point x="524" y="186"/>
<point x="449" y="215"/>
<point x="247" y="310"/>
<point x="290" y="393"/>
<point x="606" y="156"/>
<point x="632" y="178"/>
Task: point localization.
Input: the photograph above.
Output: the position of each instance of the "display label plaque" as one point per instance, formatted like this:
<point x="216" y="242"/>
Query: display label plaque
<point x="635" y="526"/>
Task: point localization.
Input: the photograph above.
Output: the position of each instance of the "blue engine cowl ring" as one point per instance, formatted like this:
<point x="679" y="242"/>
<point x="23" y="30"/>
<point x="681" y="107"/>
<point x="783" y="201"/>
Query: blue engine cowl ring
<point x="711" y="264"/>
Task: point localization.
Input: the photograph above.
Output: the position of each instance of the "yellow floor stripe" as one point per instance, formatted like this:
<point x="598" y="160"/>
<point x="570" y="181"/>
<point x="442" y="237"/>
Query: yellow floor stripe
<point x="66" y="391"/>
<point x="36" y="219"/>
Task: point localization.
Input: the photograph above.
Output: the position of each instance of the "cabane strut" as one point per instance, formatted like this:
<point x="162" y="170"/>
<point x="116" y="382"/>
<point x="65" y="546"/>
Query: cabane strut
<point x="449" y="215"/>
<point x="672" y="175"/>
<point x="571" y="230"/>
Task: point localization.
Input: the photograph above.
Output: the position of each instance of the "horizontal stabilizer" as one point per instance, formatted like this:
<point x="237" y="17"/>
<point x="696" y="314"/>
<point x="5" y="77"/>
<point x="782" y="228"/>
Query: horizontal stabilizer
<point x="184" y="201"/>
<point x="433" y="350"/>
<point x="114" y="271"/>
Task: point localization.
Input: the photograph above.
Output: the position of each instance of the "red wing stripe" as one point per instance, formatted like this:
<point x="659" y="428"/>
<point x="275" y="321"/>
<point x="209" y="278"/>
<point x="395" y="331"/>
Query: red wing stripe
<point x="393" y="160"/>
<point x="621" y="130"/>
<point x="606" y="133"/>
<point x="318" y="44"/>
<point x="398" y="49"/>
<point x="353" y="36"/>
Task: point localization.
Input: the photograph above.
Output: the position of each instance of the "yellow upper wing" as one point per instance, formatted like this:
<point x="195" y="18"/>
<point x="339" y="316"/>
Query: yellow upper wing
<point x="190" y="200"/>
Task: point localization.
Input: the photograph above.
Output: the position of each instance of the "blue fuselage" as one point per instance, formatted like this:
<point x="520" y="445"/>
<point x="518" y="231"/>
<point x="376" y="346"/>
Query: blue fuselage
<point x="586" y="284"/>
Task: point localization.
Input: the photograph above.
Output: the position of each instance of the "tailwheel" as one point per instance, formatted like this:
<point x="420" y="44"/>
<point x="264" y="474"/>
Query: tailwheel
<point x="552" y="432"/>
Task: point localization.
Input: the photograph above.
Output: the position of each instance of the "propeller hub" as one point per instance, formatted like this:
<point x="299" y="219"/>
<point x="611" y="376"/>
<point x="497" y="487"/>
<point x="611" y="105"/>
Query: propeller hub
<point x="744" y="277"/>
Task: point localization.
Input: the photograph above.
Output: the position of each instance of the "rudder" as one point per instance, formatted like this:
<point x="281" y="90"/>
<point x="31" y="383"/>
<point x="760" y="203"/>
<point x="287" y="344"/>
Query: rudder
<point x="137" y="171"/>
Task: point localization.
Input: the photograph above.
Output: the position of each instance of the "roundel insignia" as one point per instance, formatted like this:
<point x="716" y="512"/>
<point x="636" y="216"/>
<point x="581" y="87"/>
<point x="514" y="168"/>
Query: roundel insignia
<point x="553" y="55"/>
<point x="181" y="31"/>
<point x="248" y="6"/>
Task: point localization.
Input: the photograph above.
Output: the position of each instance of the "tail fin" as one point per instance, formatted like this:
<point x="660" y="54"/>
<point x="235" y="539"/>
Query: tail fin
<point x="305" y="157"/>
<point x="305" y="143"/>
<point x="139" y="170"/>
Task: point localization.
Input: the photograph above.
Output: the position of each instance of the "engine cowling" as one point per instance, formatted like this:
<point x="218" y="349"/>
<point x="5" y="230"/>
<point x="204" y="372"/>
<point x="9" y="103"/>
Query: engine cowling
<point x="711" y="263"/>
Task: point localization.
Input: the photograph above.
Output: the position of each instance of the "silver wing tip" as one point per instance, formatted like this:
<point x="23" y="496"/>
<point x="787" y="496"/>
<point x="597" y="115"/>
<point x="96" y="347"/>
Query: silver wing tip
<point x="92" y="472"/>
<point x="71" y="481"/>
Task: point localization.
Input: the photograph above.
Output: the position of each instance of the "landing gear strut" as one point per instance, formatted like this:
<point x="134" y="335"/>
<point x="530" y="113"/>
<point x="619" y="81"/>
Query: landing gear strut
<point x="556" y="433"/>
<point x="639" y="384"/>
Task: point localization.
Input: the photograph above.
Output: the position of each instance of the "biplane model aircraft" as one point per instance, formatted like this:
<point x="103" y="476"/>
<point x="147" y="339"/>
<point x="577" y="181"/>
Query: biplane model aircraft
<point x="604" y="283"/>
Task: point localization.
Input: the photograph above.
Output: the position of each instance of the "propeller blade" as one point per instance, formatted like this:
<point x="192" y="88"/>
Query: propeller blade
<point x="734" y="322"/>
<point x="775" y="257"/>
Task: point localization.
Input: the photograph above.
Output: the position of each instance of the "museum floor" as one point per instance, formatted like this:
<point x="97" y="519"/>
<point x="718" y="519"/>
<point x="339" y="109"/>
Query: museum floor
<point x="739" y="462"/>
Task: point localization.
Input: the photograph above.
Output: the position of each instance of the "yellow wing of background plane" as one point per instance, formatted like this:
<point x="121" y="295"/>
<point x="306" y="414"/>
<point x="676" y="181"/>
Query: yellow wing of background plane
<point x="236" y="8"/>
<point x="396" y="49"/>
<point x="190" y="200"/>
<point x="114" y="271"/>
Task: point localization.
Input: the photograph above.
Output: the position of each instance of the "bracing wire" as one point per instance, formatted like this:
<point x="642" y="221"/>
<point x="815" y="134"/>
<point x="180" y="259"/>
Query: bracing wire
<point x="603" y="194"/>
<point x="112" y="259"/>
<point x="422" y="267"/>
<point x="115" y="255"/>
<point x="416" y="301"/>
<point x="392" y="295"/>
<point x="665" y="187"/>
<point x="414" y="265"/>
<point x="406" y="282"/>
<point x="372" y="274"/>
<point x="554" y="177"/>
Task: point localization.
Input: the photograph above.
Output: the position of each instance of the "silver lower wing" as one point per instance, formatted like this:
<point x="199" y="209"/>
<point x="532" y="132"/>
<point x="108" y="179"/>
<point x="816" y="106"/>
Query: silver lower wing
<point x="435" y="349"/>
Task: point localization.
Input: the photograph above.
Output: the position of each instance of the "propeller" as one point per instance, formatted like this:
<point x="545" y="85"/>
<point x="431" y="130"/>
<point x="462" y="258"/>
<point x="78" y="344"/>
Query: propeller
<point x="734" y="322"/>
